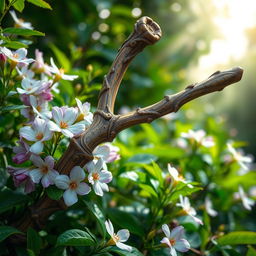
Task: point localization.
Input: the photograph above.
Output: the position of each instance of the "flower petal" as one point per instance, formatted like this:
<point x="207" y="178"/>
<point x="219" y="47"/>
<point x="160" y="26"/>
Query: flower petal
<point x="166" y="230"/>
<point x="97" y="189"/>
<point x="77" y="174"/>
<point x="49" y="160"/>
<point x="37" y="160"/>
<point x="83" y="189"/>
<point x="105" y="176"/>
<point x="77" y="128"/>
<point x="70" y="197"/>
<point x="67" y="133"/>
<point x="37" y="147"/>
<point x="28" y="133"/>
<point x="177" y="233"/>
<point x="35" y="175"/>
<point x="166" y="241"/>
<point x="46" y="181"/>
<point x="124" y="246"/>
<point x="109" y="227"/>
<point x="62" y="181"/>
<point x="182" y="245"/>
<point x="123" y="235"/>
<point x="173" y="251"/>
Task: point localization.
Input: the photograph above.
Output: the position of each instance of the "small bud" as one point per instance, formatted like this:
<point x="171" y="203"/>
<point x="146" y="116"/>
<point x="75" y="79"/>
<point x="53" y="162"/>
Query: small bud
<point x="78" y="87"/>
<point x="89" y="68"/>
<point x="3" y="60"/>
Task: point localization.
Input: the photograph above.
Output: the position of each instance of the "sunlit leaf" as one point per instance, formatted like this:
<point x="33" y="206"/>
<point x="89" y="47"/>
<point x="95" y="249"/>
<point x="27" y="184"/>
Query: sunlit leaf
<point x="19" y="5"/>
<point x="238" y="237"/>
<point x="40" y="3"/>
<point x="23" y="32"/>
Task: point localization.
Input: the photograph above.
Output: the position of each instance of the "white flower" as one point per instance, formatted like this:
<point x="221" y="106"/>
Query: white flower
<point x="40" y="108"/>
<point x="187" y="209"/>
<point x="238" y="156"/>
<point x="174" y="240"/>
<point x="64" y="118"/>
<point x="24" y="72"/>
<point x="199" y="137"/>
<point x="44" y="172"/>
<point x="246" y="201"/>
<point x="30" y="86"/>
<point x="19" y="56"/>
<point x="85" y="115"/>
<point x="39" y="132"/>
<point x="176" y="177"/>
<point x="72" y="185"/>
<point x="59" y="73"/>
<point x="98" y="177"/>
<point x="208" y="207"/>
<point x="119" y="237"/>
<point x="20" y="23"/>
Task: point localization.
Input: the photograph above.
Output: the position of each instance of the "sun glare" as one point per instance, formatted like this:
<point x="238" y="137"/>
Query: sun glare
<point x="232" y="18"/>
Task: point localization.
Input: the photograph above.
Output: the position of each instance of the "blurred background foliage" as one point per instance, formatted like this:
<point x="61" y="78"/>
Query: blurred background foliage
<point x="199" y="37"/>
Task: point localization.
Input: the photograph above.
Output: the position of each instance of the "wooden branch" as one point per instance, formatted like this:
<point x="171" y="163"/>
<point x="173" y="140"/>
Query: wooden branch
<point x="106" y="125"/>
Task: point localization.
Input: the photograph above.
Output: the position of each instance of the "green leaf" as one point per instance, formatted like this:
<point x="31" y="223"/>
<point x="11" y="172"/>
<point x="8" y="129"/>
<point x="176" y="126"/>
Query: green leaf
<point x="10" y="199"/>
<point x="238" y="237"/>
<point x="98" y="214"/>
<point x="34" y="241"/>
<point x="120" y="252"/>
<point x="54" y="192"/>
<point x="23" y="32"/>
<point x="2" y="6"/>
<point x="142" y="158"/>
<point x="251" y="251"/>
<point x="30" y="252"/>
<point x="149" y="190"/>
<point x="6" y="231"/>
<point x="40" y="3"/>
<point x="126" y="220"/>
<point x="19" y="5"/>
<point x="155" y="171"/>
<point x="13" y="107"/>
<point x="75" y="237"/>
<point x="15" y="44"/>
<point x="62" y="58"/>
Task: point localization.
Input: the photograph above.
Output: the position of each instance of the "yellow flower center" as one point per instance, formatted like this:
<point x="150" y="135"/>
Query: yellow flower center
<point x="80" y="117"/>
<point x="95" y="176"/>
<point x="63" y="125"/>
<point x="172" y="241"/>
<point x="73" y="185"/>
<point x="44" y="169"/>
<point x="39" y="136"/>
<point x="38" y="108"/>
<point x="16" y="55"/>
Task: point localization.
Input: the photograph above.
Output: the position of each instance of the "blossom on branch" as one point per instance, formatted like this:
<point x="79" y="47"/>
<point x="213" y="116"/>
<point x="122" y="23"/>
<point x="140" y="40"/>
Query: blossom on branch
<point x="119" y="237"/>
<point x="174" y="239"/>
<point x="188" y="210"/>
<point x="72" y="185"/>
<point x="64" y="121"/>
<point x="20" y="23"/>
<point x="44" y="172"/>
<point x="22" y="152"/>
<point x="38" y="132"/>
<point x="98" y="177"/>
<point x="84" y="112"/>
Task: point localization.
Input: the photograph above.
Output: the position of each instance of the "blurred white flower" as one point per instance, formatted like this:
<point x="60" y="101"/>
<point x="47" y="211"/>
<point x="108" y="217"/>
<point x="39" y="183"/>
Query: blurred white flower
<point x="72" y="185"/>
<point x="45" y="171"/>
<point x="30" y="86"/>
<point x="24" y="72"/>
<point x="208" y="207"/>
<point x="119" y="237"/>
<point x="59" y="73"/>
<point x="199" y="137"/>
<point x="176" y="177"/>
<point x="238" y="156"/>
<point x="20" y="23"/>
<point x="246" y="201"/>
<point x="187" y="209"/>
<point x="174" y="240"/>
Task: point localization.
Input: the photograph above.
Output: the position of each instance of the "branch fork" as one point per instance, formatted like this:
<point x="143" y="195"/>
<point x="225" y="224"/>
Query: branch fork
<point x="106" y="125"/>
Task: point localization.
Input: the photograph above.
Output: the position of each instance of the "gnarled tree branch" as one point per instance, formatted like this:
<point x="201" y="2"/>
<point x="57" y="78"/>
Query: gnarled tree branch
<point x="106" y="125"/>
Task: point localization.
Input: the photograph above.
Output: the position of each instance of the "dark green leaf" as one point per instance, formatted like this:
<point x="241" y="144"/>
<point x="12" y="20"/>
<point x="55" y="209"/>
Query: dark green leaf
<point x="13" y="107"/>
<point x="30" y="252"/>
<point x="23" y="32"/>
<point x="19" y="5"/>
<point x="126" y="220"/>
<point x="54" y="192"/>
<point x="14" y="44"/>
<point x="75" y="237"/>
<point x="6" y="231"/>
<point x="98" y="214"/>
<point x="238" y="237"/>
<point x="120" y="252"/>
<point x="10" y="199"/>
<point x="40" y="3"/>
<point x="34" y="241"/>
<point x="2" y="6"/>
